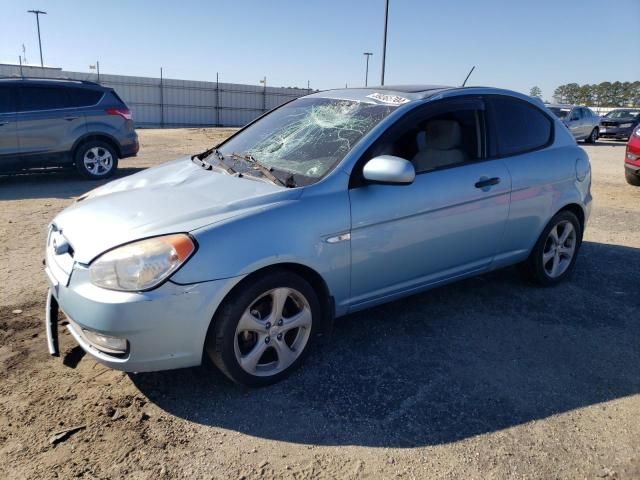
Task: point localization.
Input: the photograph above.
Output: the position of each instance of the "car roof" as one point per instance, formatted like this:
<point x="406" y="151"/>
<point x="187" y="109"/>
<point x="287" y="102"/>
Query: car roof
<point x="50" y="81"/>
<point x="402" y="94"/>
<point x="561" y="105"/>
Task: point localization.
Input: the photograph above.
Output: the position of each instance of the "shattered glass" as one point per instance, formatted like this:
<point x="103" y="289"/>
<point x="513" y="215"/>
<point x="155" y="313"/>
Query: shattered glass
<point x="307" y="136"/>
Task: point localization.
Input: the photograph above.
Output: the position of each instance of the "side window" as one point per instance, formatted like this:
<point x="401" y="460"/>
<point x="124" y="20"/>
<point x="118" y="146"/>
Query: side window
<point x="7" y="100"/>
<point x="520" y="126"/>
<point x="576" y="114"/>
<point x="42" y="98"/>
<point x="434" y="137"/>
<point x="82" y="97"/>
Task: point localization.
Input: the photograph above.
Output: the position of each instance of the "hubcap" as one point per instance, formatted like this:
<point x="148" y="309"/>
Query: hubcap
<point x="98" y="161"/>
<point x="272" y="332"/>
<point x="559" y="249"/>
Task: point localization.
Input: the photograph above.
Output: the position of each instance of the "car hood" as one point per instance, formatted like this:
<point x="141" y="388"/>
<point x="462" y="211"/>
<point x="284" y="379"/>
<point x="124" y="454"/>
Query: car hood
<point x="178" y="196"/>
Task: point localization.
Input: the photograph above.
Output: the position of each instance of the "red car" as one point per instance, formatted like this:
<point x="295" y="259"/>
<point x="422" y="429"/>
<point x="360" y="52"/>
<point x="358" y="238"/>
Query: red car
<point x="632" y="159"/>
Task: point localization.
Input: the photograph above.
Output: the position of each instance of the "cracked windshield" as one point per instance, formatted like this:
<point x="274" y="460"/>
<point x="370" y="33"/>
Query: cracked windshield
<point x="304" y="139"/>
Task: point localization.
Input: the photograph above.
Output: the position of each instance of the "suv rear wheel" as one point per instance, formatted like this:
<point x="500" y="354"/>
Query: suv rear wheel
<point x="593" y="136"/>
<point x="96" y="159"/>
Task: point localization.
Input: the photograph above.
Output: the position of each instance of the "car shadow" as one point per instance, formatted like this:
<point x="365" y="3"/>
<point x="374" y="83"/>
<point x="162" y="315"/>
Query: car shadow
<point x="470" y="358"/>
<point x="608" y="142"/>
<point x="54" y="183"/>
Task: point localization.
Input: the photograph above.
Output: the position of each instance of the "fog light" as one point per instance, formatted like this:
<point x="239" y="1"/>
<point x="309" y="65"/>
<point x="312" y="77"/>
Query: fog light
<point x="105" y="343"/>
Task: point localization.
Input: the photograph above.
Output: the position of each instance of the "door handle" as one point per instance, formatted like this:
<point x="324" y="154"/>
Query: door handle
<point x="3" y="123"/>
<point x="487" y="182"/>
<point x="68" y="119"/>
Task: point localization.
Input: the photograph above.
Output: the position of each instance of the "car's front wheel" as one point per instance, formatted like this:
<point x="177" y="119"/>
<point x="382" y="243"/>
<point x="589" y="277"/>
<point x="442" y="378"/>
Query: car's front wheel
<point x="554" y="255"/>
<point x="96" y="160"/>
<point x="262" y="331"/>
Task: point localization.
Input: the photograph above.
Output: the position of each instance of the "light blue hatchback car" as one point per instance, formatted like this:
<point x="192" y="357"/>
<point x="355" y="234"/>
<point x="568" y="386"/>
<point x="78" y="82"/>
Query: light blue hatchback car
<point x="329" y="204"/>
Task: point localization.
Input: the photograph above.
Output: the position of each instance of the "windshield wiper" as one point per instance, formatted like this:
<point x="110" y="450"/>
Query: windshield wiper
<point x="208" y="166"/>
<point x="266" y="171"/>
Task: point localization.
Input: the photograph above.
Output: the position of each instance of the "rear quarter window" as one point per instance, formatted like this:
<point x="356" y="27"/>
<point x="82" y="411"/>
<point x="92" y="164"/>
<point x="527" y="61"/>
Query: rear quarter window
<point x="519" y="126"/>
<point x="82" y="97"/>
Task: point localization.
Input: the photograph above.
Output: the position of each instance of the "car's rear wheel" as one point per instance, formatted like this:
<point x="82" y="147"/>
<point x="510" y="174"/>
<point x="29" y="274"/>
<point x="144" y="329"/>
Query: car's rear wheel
<point x="554" y="256"/>
<point x="262" y="332"/>
<point x="632" y="178"/>
<point x="593" y="136"/>
<point x="96" y="160"/>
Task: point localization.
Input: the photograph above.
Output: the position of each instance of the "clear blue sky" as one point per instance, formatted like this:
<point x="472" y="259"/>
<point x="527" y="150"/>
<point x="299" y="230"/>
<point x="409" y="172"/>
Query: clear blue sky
<point x="514" y="43"/>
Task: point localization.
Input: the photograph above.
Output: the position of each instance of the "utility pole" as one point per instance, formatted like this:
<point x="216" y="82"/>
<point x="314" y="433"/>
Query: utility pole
<point x="366" y="72"/>
<point x="384" y="39"/>
<point x="218" y="100"/>
<point x="161" y="100"/>
<point x="37" y="14"/>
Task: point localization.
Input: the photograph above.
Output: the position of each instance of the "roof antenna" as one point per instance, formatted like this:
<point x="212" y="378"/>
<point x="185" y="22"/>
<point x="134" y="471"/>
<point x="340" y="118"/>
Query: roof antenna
<point x="468" y="75"/>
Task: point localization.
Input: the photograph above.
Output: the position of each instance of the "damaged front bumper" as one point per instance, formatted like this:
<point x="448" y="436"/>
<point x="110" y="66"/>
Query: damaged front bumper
<point x="161" y="329"/>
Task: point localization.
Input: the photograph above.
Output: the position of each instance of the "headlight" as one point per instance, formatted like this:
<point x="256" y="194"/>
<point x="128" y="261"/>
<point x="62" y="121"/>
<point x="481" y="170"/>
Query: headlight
<point x="141" y="265"/>
<point x="625" y="125"/>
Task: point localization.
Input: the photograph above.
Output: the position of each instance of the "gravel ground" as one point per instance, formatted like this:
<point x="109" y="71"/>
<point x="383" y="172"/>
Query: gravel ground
<point x="487" y="378"/>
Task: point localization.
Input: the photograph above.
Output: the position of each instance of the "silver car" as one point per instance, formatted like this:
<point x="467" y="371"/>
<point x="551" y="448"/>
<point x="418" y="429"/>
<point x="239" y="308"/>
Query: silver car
<point x="582" y="122"/>
<point x="330" y="204"/>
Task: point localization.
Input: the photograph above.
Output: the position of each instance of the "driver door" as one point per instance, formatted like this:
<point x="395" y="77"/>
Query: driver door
<point x="448" y="223"/>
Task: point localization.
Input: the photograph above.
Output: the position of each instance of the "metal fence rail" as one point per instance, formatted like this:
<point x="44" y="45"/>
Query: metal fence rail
<point x="162" y="102"/>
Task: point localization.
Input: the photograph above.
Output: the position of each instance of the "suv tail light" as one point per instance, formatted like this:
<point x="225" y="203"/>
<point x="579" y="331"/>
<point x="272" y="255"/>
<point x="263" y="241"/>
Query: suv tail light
<point x="123" y="112"/>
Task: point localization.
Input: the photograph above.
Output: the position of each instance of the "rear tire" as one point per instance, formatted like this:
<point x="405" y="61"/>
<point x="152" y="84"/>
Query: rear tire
<point x="554" y="255"/>
<point x="593" y="136"/>
<point x="632" y="178"/>
<point x="262" y="332"/>
<point x="96" y="160"/>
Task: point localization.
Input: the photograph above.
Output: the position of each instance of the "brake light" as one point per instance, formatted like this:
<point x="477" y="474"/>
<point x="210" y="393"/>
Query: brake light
<point x="123" y="112"/>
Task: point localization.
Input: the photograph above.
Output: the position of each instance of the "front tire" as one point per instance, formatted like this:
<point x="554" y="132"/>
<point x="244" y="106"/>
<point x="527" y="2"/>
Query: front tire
<point x="263" y="331"/>
<point x="632" y="178"/>
<point x="96" y="160"/>
<point x="553" y="257"/>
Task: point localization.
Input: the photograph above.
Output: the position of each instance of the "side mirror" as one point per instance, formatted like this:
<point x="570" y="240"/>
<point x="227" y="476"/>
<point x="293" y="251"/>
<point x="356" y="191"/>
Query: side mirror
<point x="389" y="170"/>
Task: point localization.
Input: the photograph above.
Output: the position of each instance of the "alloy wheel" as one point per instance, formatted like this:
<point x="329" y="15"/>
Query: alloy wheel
<point x="273" y="332"/>
<point x="559" y="249"/>
<point x="98" y="161"/>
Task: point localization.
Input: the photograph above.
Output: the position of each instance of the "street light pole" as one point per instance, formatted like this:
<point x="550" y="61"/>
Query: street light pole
<point x="264" y="94"/>
<point x="384" y="39"/>
<point x="38" y="13"/>
<point x="366" y="72"/>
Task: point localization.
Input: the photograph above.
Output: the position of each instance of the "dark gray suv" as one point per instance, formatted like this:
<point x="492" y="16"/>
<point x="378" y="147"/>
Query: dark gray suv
<point x="57" y="123"/>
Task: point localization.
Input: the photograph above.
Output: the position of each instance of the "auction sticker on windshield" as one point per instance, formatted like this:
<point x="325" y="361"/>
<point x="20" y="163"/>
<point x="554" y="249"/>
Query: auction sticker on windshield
<point x="391" y="99"/>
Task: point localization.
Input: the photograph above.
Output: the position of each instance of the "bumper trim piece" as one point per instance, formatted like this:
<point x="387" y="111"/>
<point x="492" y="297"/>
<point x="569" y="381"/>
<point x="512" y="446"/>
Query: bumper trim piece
<point x="51" y="324"/>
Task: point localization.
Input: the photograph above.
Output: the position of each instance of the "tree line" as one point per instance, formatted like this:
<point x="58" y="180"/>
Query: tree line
<point x="605" y="94"/>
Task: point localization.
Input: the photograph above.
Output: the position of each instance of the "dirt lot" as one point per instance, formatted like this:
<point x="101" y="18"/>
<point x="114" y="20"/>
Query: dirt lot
<point x="488" y="378"/>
